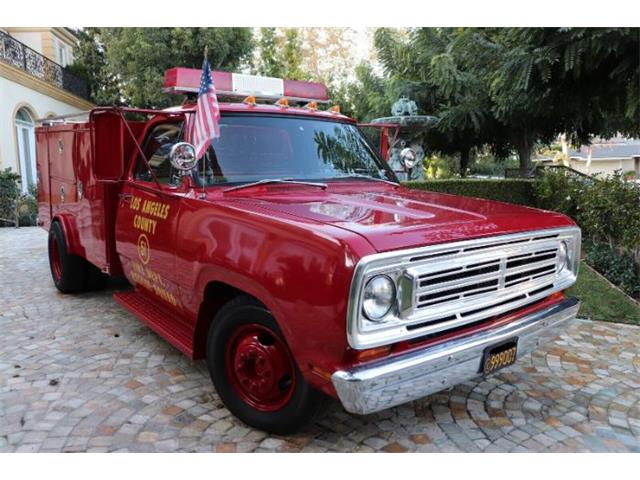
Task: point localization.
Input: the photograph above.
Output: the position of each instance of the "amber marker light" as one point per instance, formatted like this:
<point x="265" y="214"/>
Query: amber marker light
<point x="557" y="296"/>
<point x="250" y="100"/>
<point x="335" y="109"/>
<point x="283" y="103"/>
<point x="371" y="353"/>
<point x="320" y="372"/>
<point x="311" y="106"/>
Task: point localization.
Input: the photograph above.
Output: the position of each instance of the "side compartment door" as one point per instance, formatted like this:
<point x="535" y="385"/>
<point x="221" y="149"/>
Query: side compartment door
<point x="44" y="178"/>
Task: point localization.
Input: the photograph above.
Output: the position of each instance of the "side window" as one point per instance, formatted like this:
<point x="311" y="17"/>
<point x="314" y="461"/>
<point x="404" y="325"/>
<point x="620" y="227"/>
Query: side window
<point x="156" y="148"/>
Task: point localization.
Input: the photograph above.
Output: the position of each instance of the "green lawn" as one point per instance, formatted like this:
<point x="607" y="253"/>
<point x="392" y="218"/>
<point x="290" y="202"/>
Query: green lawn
<point x="602" y="302"/>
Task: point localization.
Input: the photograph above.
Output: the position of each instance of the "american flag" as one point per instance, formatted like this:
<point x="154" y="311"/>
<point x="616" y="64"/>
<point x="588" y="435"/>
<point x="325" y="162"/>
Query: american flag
<point x="203" y="126"/>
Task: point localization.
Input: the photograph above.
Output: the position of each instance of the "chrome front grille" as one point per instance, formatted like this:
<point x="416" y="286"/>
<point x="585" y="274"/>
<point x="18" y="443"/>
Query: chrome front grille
<point x="471" y="283"/>
<point x="447" y="286"/>
<point x="478" y="278"/>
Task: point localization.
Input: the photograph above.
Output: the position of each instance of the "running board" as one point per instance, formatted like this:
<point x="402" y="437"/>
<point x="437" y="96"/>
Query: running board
<point x="159" y="319"/>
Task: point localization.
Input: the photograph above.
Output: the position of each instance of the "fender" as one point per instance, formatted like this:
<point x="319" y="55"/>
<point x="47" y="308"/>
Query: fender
<point x="68" y="224"/>
<point x="304" y="357"/>
<point x="212" y="273"/>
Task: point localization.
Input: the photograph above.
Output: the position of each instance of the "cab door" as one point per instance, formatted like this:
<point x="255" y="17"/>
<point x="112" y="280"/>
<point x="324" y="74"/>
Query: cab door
<point x="147" y="218"/>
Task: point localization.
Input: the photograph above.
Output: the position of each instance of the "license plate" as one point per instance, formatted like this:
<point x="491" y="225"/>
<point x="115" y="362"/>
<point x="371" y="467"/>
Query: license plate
<point x="499" y="356"/>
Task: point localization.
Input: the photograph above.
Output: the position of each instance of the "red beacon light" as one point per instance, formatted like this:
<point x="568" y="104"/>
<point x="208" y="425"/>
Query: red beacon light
<point x="241" y="86"/>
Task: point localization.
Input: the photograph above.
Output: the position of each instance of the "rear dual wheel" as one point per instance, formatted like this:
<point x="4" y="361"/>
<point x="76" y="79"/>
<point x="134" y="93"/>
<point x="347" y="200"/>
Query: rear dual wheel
<point x="71" y="273"/>
<point x="254" y="371"/>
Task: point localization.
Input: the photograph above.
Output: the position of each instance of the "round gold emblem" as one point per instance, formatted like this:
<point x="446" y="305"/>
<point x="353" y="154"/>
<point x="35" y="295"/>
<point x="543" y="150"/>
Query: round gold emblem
<point x="143" y="248"/>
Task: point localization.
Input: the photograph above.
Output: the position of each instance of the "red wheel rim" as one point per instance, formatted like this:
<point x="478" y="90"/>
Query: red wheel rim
<point x="260" y="367"/>
<point x="56" y="264"/>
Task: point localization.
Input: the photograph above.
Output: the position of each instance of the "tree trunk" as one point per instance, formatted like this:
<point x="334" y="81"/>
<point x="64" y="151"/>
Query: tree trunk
<point x="524" y="147"/>
<point x="465" y="156"/>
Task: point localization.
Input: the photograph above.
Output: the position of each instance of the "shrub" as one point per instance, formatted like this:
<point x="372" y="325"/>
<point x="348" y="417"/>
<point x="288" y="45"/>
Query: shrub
<point x="486" y="164"/>
<point x="437" y="166"/>
<point x="10" y="197"/>
<point x="609" y="211"/>
<point x="28" y="208"/>
<point x="620" y="269"/>
<point x="511" y="190"/>
<point x="559" y="192"/>
<point x="9" y="192"/>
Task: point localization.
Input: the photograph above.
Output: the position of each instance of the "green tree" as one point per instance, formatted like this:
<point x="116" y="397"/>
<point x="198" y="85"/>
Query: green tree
<point x="292" y="55"/>
<point x="369" y="97"/>
<point x="279" y="54"/>
<point x="90" y="65"/>
<point x="268" y="60"/>
<point x="139" y="56"/>
<point x="511" y="88"/>
<point x="579" y="81"/>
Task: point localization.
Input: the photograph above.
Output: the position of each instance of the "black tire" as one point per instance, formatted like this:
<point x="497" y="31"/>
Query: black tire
<point x="303" y="402"/>
<point x="69" y="272"/>
<point x="96" y="279"/>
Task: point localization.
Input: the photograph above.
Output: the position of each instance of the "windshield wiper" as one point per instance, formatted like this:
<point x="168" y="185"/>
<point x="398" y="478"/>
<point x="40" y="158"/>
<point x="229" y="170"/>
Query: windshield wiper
<point x="361" y="175"/>
<point x="276" y="180"/>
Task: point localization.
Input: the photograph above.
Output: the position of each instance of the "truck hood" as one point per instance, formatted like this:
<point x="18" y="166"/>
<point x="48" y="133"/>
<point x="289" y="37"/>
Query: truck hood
<point x="392" y="218"/>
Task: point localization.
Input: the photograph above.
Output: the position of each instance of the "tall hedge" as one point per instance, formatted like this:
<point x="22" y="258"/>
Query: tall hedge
<point x="511" y="190"/>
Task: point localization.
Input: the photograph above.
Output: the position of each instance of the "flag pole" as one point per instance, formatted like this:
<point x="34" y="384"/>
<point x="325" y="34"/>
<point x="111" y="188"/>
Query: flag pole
<point x="203" y="195"/>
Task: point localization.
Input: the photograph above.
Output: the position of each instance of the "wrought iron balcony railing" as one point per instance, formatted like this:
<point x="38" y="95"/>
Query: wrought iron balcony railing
<point x="19" y="55"/>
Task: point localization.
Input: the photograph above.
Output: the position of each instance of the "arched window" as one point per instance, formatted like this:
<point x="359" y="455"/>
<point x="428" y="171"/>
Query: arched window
<point x="25" y="133"/>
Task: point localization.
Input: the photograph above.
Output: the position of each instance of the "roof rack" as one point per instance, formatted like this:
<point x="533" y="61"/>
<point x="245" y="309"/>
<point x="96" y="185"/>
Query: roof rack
<point x="238" y="86"/>
<point x="83" y="117"/>
<point x="78" y="117"/>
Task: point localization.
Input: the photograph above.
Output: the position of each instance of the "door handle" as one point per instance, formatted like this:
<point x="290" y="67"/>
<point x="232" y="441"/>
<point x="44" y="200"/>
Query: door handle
<point x="125" y="197"/>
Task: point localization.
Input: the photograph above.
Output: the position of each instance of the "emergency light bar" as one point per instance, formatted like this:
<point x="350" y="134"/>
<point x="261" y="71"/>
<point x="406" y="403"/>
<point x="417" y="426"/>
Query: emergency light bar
<point x="187" y="80"/>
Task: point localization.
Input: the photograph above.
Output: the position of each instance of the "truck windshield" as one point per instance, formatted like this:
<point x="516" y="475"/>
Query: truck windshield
<point x="252" y="148"/>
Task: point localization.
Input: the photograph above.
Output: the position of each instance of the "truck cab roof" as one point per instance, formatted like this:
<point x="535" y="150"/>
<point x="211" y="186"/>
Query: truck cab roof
<point x="266" y="109"/>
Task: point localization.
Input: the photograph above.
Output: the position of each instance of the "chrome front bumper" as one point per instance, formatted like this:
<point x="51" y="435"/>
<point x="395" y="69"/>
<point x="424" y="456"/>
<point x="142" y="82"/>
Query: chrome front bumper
<point x="390" y="382"/>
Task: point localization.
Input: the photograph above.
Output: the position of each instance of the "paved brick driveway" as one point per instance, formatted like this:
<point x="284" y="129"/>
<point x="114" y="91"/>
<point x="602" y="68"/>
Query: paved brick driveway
<point x="78" y="373"/>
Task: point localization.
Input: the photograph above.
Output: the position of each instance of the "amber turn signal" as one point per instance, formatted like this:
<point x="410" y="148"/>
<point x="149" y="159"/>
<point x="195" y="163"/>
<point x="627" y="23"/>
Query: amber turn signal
<point x="372" y="353"/>
<point x="557" y="296"/>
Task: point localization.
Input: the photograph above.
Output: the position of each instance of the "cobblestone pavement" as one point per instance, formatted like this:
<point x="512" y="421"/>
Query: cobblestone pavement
<point x="78" y="373"/>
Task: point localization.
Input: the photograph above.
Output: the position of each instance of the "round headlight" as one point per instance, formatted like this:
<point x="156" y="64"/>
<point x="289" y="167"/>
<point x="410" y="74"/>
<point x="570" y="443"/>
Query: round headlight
<point x="379" y="295"/>
<point x="563" y="256"/>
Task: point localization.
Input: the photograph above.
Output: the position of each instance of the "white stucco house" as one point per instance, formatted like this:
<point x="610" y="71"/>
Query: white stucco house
<point x="606" y="156"/>
<point x="34" y="84"/>
<point x="602" y="157"/>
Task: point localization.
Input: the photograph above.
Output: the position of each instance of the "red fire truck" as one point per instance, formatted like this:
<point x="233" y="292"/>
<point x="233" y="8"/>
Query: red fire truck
<point x="289" y="256"/>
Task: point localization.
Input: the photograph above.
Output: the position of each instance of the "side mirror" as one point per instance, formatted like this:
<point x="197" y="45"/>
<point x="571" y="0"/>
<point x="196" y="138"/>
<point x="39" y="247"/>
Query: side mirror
<point x="183" y="157"/>
<point x="409" y="158"/>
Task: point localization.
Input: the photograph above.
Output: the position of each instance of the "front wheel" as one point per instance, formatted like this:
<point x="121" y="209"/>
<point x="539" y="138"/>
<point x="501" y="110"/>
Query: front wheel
<point x="253" y="369"/>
